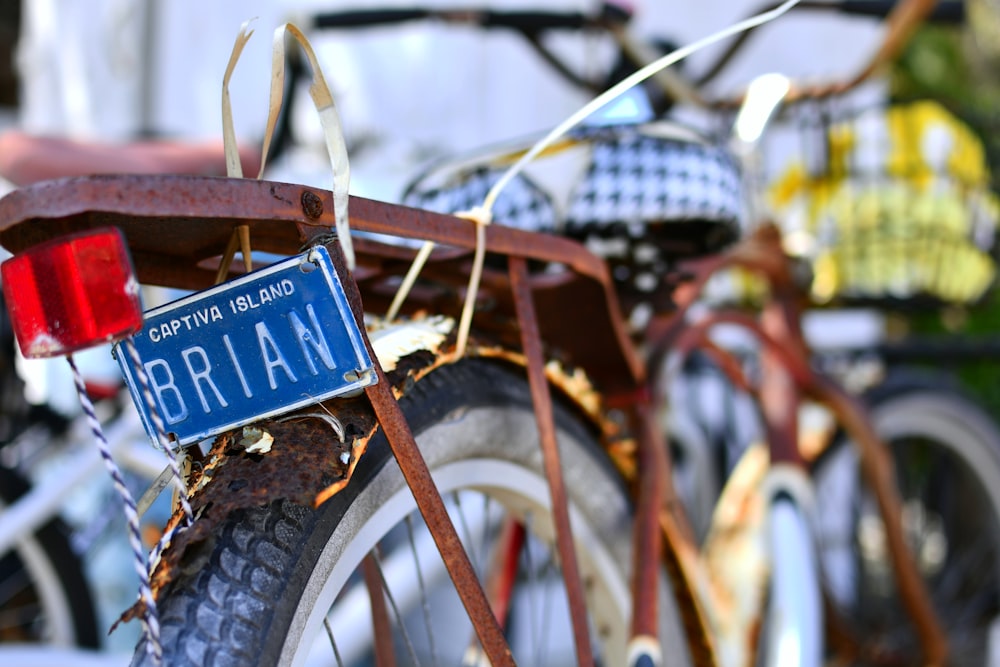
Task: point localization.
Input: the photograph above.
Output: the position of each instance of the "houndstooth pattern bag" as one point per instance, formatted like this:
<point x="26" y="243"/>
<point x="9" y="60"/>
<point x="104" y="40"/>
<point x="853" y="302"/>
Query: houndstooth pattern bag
<point x="642" y="178"/>
<point x="521" y="204"/>
<point x="640" y="196"/>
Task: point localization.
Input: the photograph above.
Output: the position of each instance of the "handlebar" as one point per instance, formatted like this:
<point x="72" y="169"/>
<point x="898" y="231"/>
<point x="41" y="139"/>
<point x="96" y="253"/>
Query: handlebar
<point x="528" y="21"/>
<point x="945" y="11"/>
<point x="902" y="15"/>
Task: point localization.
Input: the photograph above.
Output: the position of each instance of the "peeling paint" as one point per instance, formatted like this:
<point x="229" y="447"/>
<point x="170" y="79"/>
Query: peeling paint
<point x="735" y="552"/>
<point x="392" y="342"/>
<point x="256" y="440"/>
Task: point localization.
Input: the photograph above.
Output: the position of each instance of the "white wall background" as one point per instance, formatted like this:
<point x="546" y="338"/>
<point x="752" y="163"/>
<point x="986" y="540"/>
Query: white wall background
<point x="111" y="68"/>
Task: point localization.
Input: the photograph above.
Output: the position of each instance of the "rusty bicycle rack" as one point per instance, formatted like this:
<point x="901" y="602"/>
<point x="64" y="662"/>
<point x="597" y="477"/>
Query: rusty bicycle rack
<point x="176" y="225"/>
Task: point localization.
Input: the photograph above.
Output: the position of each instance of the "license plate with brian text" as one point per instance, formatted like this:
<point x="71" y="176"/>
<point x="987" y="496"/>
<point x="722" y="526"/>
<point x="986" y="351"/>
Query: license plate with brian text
<point x="259" y="346"/>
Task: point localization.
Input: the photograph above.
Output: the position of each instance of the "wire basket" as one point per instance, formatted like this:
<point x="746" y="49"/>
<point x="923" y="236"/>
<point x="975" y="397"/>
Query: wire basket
<point x="890" y="205"/>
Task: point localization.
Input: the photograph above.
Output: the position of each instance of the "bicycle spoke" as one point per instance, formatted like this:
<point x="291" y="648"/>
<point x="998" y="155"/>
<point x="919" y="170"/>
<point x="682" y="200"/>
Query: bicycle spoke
<point x="974" y="559"/>
<point x="532" y="584"/>
<point x="487" y="534"/>
<point x="549" y="570"/>
<point x="333" y="642"/>
<point x="395" y="608"/>
<point x="467" y="537"/>
<point x="376" y="573"/>
<point x="424" y="600"/>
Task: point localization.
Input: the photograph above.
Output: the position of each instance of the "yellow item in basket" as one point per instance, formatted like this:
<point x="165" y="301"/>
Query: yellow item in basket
<point x="902" y="209"/>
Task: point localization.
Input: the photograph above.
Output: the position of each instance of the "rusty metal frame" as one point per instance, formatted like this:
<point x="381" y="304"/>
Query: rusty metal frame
<point x="177" y="225"/>
<point x="381" y="625"/>
<point x="542" y="401"/>
<point x="787" y="377"/>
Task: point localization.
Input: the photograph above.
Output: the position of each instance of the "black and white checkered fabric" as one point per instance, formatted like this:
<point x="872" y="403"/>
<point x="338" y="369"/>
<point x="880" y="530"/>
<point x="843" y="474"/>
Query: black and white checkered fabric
<point x="641" y="197"/>
<point x="521" y="204"/>
<point x="638" y="178"/>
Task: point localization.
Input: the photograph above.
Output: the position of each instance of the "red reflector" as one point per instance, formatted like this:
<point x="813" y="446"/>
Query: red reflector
<point x="71" y="293"/>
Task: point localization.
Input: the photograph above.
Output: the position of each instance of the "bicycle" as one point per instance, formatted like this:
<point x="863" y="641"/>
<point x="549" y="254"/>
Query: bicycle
<point x="619" y="375"/>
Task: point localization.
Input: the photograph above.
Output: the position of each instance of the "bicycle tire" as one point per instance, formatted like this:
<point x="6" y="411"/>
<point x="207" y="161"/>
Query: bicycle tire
<point x="947" y="455"/>
<point x="274" y="569"/>
<point x="44" y="594"/>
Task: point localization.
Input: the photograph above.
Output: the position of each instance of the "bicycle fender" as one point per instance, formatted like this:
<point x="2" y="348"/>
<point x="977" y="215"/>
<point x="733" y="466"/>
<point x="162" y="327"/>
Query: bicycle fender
<point x="309" y="456"/>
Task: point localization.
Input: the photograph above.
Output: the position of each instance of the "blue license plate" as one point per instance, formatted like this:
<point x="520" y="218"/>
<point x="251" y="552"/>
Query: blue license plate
<point x="261" y="345"/>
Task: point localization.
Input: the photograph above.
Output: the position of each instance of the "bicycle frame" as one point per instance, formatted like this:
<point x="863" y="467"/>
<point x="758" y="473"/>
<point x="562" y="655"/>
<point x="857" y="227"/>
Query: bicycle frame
<point x="277" y="225"/>
<point x="786" y="380"/>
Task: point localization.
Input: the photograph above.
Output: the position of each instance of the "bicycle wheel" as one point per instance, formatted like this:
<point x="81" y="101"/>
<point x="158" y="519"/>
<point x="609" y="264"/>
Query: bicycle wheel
<point x="947" y="457"/>
<point x="281" y="584"/>
<point x="44" y="596"/>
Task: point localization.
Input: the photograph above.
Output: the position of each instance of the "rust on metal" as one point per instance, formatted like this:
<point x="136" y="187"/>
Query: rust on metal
<point x="736" y="557"/>
<point x="304" y="458"/>
<point x="418" y="478"/>
<point x="542" y="403"/>
<point x="381" y="626"/>
<point x="879" y="473"/>
<point x="653" y="468"/>
<point x="785" y="344"/>
<point x="173" y="224"/>
<point x="432" y="509"/>
<point x="682" y="558"/>
<point x="677" y="551"/>
<point x="312" y="205"/>
<point x="779" y="394"/>
<point x="177" y="226"/>
<point x="308" y="462"/>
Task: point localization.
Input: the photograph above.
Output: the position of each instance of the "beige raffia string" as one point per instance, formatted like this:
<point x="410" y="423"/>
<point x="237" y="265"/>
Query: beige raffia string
<point x="333" y="133"/>
<point x="483" y="215"/>
<point x="411" y="277"/>
<point x="482" y="218"/>
<point x="234" y="168"/>
<point x="240" y="238"/>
